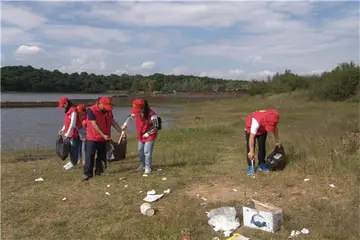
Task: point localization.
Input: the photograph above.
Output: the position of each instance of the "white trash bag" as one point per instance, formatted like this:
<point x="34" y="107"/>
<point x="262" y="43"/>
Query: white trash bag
<point x="224" y="219"/>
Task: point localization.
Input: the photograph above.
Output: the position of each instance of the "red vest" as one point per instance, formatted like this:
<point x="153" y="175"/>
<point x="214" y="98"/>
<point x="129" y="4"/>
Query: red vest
<point x="260" y="118"/>
<point x="67" y="120"/>
<point x="82" y="120"/>
<point x="143" y="125"/>
<point x="103" y="120"/>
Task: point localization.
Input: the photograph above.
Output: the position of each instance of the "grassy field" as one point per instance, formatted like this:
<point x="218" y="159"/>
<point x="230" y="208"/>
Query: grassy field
<point x="200" y="158"/>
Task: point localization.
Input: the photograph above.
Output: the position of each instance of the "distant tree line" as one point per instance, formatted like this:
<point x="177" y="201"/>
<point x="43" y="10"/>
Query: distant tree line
<point x="29" y="79"/>
<point x="340" y="84"/>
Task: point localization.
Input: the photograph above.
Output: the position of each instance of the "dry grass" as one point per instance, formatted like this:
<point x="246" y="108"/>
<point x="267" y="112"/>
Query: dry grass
<point x="202" y="157"/>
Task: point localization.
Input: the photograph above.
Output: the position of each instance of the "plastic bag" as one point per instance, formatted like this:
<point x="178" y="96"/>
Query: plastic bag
<point x="62" y="148"/>
<point x="276" y="159"/>
<point x="117" y="150"/>
<point x="109" y="151"/>
<point x="223" y="219"/>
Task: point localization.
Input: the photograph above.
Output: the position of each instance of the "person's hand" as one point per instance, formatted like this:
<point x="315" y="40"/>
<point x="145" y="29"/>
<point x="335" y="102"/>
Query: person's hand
<point x="251" y="155"/>
<point x="106" y="137"/>
<point x="123" y="127"/>
<point x="61" y="132"/>
<point x="146" y="135"/>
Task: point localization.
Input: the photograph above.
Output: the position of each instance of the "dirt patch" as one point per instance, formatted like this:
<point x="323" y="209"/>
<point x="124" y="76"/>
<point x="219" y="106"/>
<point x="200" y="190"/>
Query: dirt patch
<point x="30" y="157"/>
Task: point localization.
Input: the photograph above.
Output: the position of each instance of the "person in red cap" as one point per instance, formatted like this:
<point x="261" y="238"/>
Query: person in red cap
<point x="257" y="125"/>
<point x="69" y="130"/>
<point x="147" y="129"/>
<point x="100" y="118"/>
<point x="81" y="110"/>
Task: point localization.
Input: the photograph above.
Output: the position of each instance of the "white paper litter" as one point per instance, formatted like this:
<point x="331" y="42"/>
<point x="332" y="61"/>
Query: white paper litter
<point x="296" y="233"/>
<point x="140" y="192"/>
<point x="159" y="169"/>
<point x="108" y="185"/>
<point x="204" y="199"/>
<point x="164" y="179"/>
<point x="331" y="185"/>
<point x="235" y="190"/>
<point x="224" y="219"/>
<point x="144" y="175"/>
<point x="64" y="199"/>
<point x="107" y="193"/>
<point x="306" y="179"/>
<point x="153" y="198"/>
<point x="126" y="185"/>
<point x="167" y="191"/>
<point x="39" y="180"/>
<point x="152" y="192"/>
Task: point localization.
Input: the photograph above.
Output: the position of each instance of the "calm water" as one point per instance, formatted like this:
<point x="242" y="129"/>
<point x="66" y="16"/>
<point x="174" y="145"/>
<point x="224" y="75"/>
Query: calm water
<point x="45" y="96"/>
<point x="36" y="128"/>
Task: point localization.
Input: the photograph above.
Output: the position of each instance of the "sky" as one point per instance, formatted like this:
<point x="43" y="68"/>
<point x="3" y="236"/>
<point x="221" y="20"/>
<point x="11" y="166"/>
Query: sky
<point x="227" y="39"/>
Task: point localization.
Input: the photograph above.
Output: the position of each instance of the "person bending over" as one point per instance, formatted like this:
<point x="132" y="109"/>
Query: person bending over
<point x="257" y="125"/>
<point x="147" y="130"/>
<point x="100" y="118"/>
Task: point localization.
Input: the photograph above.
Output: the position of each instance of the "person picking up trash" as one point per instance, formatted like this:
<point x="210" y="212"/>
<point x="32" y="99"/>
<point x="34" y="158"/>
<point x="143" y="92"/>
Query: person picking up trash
<point x="147" y="129"/>
<point x="69" y="130"/>
<point x="81" y="110"/>
<point x="100" y="118"/>
<point x="257" y="125"/>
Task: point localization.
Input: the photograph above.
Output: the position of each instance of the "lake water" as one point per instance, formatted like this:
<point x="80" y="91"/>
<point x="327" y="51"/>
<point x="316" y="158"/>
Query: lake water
<point x="36" y="128"/>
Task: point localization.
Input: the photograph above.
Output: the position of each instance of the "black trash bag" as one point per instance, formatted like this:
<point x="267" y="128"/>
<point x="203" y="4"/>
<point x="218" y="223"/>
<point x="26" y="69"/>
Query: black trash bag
<point x="62" y="148"/>
<point x="116" y="151"/>
<point x="276" y="159"/>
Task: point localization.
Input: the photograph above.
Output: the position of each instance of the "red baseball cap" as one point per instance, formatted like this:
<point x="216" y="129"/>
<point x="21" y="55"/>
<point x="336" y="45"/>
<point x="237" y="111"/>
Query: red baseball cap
<point x="81" y="108"/>
<point x="138" y="105"/>
<point x="62" y="101"/>
<point x="106" y="102"/>
<point x="271" y="121"/>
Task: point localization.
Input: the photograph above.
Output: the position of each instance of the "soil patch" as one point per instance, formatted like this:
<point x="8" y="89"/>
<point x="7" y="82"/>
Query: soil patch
<point x="31" y="157"/>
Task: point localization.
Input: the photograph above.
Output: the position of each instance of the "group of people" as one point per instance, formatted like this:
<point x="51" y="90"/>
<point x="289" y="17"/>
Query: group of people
<point x="88" y="130"/>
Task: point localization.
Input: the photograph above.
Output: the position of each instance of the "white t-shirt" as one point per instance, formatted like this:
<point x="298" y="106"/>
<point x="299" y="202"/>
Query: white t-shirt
<point x="254" y="126"/>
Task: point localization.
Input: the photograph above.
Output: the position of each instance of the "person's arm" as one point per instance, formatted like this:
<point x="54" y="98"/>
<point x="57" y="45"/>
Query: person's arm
<point x="155" y="125"/>
<point x="253" y="130"/>
<point x="128" y="119"/>
<point x="72" y="123"/>
<point x="92" y="119"/>
<point x="116" y="125"/>
<point x="276" y="136"/>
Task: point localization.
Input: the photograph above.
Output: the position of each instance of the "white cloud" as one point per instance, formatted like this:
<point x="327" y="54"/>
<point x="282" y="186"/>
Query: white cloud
<point x="28" y="50"/>
<point x="178" y="70"/>
<point x="68" y="33"/>
<point x="147" y="65"/>
<point x="235" y="74"/>
<point x="13" y="35"/>
<point x="20" y="17"/>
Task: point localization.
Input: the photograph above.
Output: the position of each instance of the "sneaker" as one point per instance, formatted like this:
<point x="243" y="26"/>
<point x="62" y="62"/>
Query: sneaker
<point x="86" y="178"/>
<point x="250" y="170"/>
<point x="69" y="166"/>
<point x="263" y="167"/>
<point x="147" y="170"/>
<point x="140" y="168"/>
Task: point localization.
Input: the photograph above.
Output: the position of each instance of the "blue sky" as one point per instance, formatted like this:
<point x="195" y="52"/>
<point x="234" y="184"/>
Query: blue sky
<point x="228" y="39"/>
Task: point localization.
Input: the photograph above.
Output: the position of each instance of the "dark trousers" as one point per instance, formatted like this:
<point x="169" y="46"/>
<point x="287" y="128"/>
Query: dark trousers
<point x="261" y="140"/>
<point x="93" y="147"/>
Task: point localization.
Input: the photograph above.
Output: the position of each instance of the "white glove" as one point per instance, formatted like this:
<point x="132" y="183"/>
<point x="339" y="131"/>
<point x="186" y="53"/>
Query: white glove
<point x="146" y="135"/>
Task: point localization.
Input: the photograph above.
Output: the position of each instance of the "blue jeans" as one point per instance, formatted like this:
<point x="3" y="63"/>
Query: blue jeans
<point x="74" y="150"/>
<point x="145" y="153"/>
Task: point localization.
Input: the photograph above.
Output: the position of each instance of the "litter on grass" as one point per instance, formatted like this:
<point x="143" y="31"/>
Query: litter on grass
<point x="295" y="233"/>
<point x="39" y="180"/>
<point x="223" y="219"/>
<point x="107" y="193"/>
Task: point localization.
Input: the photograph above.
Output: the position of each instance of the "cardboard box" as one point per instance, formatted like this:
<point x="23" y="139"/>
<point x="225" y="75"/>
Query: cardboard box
<point x="263" y="216"/>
